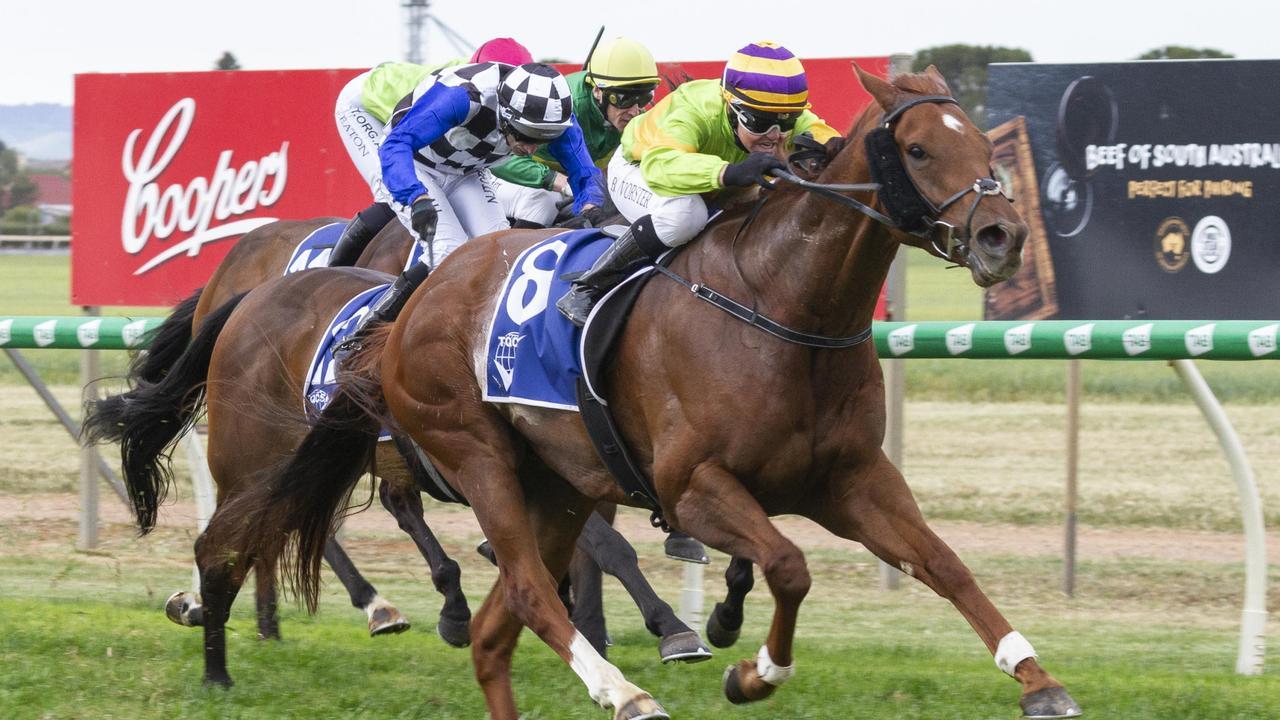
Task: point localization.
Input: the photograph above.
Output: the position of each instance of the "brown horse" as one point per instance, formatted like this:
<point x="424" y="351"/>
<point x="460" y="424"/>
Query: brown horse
<point x="258" y="257"/>
<point x="806" y="439"/>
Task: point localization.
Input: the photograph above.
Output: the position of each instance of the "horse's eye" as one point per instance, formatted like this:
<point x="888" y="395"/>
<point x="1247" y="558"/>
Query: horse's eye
<point x="916" y="152"/>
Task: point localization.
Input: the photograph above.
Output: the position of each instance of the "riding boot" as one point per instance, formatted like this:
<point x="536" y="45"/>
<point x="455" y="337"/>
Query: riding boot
<point x="639" y="244"/>
<point x="385" y="310"/>
<point x="356" y="236"/>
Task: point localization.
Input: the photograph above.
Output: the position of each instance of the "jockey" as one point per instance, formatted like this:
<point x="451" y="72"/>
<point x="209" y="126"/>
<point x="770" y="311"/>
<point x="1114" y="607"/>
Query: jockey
<point x="705" y="136"/>
<point x="616" y="86"/>
<point x="446" y="134"/>
<point x="363" y="108"/>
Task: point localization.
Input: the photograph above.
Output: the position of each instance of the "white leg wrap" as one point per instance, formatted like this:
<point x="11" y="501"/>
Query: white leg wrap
<point x="769" y="672"/>
<point x="603" y="680"/>
<point x="1013" y="649"/>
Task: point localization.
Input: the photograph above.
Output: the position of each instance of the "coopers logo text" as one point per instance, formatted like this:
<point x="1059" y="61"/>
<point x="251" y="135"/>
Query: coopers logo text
<point x="202" y="206"/>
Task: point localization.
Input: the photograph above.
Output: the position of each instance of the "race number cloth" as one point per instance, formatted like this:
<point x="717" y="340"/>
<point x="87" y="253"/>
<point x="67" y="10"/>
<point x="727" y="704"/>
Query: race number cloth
<point x="315" y="249"/>
<point x="533" y="350"/>
<point x="321" y="383"/>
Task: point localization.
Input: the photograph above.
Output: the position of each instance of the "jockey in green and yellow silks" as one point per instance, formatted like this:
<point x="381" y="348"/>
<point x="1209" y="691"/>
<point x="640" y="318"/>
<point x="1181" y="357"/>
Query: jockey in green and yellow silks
<point x="705" y="136"/>
<point x="616" y="86"/>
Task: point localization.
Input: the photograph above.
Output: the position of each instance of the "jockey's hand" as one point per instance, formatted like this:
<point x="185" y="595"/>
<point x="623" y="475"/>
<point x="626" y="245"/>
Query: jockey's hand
<point x="560" y="184"/>
<point x="424" y="218"/>
<point x="596" y="216"/>
<point x="751" y="171"/>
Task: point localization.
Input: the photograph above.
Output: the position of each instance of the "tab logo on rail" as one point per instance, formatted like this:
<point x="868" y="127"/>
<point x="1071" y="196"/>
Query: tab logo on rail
<point x="87" y="333"/>
<point x="1137" y="340"/>
<point x="206" y="206"/>
<point x="1200" y="340"/>
<point x="1018" y="339"/>
<point x="1263" y="340"/>
<point x="903" y="340"/>
<point x="960" y="339"/>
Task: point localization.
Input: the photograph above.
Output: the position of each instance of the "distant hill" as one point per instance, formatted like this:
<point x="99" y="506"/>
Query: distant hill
<point x="40" y="132"/>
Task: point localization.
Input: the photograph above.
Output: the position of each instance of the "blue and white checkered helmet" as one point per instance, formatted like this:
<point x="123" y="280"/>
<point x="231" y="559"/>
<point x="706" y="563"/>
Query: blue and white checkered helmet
<point x="535" y="101"/>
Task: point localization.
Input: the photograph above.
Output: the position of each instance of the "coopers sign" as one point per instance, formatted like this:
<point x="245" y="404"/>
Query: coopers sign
<point x="171" y="168"/>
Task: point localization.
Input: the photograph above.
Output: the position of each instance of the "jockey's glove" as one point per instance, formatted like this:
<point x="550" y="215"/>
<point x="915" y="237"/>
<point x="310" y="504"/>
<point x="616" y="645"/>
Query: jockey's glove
<point x="424" y="218"/>
<point x="596" y="216"/>
<point x="752" y="170"/>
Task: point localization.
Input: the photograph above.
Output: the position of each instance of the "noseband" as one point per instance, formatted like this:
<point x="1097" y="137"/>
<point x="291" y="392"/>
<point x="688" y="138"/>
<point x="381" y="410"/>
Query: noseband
<point x="909" y="210"/>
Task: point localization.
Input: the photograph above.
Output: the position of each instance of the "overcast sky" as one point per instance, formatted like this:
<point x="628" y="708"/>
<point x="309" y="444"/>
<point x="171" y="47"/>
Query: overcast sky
<point x="43" y="43"/>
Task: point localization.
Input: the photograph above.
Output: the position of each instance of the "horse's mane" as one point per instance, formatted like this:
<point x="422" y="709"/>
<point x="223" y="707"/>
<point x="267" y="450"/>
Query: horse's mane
<point x="920" y="83"/>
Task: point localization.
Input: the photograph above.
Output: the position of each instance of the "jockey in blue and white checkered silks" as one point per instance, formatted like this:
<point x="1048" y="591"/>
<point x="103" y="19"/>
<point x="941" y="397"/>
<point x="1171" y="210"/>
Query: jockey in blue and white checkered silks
<point x="444" y="136"/>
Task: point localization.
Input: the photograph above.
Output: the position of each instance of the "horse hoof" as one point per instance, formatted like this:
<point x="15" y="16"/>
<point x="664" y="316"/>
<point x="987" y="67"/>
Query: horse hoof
<point x="718" y="633"/>
<point x="184" y="608"/>
<point x="683" y="647"/>
<point x="387" y="620"/>
<point x="485" y="550"/>
<point x="641" y="708"/>
<point x="218" y="681"/>
<point x="1052" y="702"/>
<point x="686" y="549"/>
<point x="455" y="632"/>
<point x="738" y="682"/>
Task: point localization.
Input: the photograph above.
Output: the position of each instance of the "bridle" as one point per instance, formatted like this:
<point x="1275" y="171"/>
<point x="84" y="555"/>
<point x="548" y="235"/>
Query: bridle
<point x="909" y="210"/>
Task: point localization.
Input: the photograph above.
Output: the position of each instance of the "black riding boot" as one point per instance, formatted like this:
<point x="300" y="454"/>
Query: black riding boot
<point x="637" y="245"/>
<point x="386" y="310"/>
<point x="355" y="238"/>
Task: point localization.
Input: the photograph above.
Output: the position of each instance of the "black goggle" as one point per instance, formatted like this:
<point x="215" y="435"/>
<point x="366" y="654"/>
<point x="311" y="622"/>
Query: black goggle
<point x="623" y="99"/>
<point x="760" y="122"/>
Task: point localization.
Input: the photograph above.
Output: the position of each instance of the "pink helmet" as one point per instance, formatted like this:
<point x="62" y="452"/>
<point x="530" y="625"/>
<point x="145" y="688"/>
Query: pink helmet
<point x="503" y="50"/>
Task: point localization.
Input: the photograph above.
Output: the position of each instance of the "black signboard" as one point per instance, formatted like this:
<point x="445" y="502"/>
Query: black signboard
<point x="1152" y="188"/>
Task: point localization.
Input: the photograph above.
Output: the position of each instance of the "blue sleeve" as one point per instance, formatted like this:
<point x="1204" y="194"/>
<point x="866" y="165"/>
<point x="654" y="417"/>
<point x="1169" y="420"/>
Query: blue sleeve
<point x="584" y="177"/>
<point x="438" y="111"/>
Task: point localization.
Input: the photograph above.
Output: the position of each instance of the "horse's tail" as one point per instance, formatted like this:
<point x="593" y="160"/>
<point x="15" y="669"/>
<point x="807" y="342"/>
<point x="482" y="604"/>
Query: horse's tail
<point x="148" y="420"/>
<point x="166" y="343"/>
<point x="307" y="495"/>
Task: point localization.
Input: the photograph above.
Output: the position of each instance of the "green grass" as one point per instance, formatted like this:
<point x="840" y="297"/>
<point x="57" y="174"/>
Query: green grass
<point x="1146" y="639"/>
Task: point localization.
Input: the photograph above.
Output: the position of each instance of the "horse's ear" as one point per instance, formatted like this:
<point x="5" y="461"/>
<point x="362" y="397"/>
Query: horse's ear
<point x="936" y="76"/>
<point x="884" y="93"/>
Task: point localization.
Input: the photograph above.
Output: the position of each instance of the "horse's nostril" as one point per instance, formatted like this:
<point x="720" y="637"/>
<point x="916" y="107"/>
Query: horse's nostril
<point x="994" y="239"/>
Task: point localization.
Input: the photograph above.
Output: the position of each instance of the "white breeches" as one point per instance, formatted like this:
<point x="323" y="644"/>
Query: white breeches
<point x="361" y="132"/>
<point x="676" y="219"/>
<point x="466" y="204"/>
<point x="531" y="204"/>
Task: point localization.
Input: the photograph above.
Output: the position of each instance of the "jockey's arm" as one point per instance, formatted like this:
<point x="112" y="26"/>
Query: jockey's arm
<point x="440" y="109"/>
<point x="670" y="157"/>
<point x="584" y="177"/>
<point x="815" y="126"/>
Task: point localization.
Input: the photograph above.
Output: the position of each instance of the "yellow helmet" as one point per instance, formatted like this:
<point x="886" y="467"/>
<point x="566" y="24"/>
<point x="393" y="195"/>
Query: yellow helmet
<point x="621" y="62"/>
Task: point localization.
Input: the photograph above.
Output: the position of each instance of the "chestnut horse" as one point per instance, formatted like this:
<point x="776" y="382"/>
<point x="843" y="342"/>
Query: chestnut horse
<point x="146" y="436"/>
<point x="805" y="439"/>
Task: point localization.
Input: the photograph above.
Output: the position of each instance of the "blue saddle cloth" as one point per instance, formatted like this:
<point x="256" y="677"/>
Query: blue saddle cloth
<point x="315" y="249"/>
<point x="533" y="351"/>
<point x="322" y="382"/>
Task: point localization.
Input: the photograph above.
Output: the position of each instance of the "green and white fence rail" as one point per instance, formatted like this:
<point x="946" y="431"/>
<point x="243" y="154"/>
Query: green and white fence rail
<point x="1177" y="341"/>
<point x="1046" y="339"/>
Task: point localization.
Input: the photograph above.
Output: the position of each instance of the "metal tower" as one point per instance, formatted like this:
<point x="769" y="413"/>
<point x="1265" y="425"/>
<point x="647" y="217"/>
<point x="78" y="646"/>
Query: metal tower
<point x="417" y="15"/>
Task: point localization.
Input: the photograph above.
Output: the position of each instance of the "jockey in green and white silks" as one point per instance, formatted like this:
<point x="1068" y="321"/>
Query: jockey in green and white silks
<point x="616" y="86"/>
<point x="705" y="136"/>
<point x="363" y="108"/>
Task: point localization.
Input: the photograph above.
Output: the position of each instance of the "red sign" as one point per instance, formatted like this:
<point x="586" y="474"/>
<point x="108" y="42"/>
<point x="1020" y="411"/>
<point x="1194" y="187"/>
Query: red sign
<point x="171" y="168"/>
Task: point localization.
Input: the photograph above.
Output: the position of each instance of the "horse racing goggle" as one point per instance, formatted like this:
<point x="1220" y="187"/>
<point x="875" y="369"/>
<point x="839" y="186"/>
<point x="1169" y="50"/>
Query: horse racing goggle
<point x="624" y="98"/>
<point x="761" y="122"/>
<point x="514" y="133"/>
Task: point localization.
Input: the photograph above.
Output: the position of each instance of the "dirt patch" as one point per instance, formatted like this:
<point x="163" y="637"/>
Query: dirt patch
<point x="458" y="524"/>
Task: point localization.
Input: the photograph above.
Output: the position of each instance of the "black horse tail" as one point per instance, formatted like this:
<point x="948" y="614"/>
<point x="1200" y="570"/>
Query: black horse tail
<point x="315" y="485"/>
<point x="165" y="343"/>
<point x="148" y="420"/>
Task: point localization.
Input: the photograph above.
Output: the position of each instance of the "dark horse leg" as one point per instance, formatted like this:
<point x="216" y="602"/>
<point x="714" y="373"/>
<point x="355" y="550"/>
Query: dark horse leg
<point x="611" y="553"/>
<point x="875" y="508"/>
<point x="401" y="497"/>
<point x="221" y="576"/>
<point x="724" y="624"/>
<point x="266" y="605"/>
<point x="384" y="618"/>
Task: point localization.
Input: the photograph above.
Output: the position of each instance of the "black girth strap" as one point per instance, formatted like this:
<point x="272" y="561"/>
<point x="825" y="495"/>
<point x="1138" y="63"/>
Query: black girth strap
<point x="756" y="320"/>
<point x="612" y="450"/>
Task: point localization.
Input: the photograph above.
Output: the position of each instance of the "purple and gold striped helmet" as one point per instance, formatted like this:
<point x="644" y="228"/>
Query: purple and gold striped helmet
<point x="766" y="76"/>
